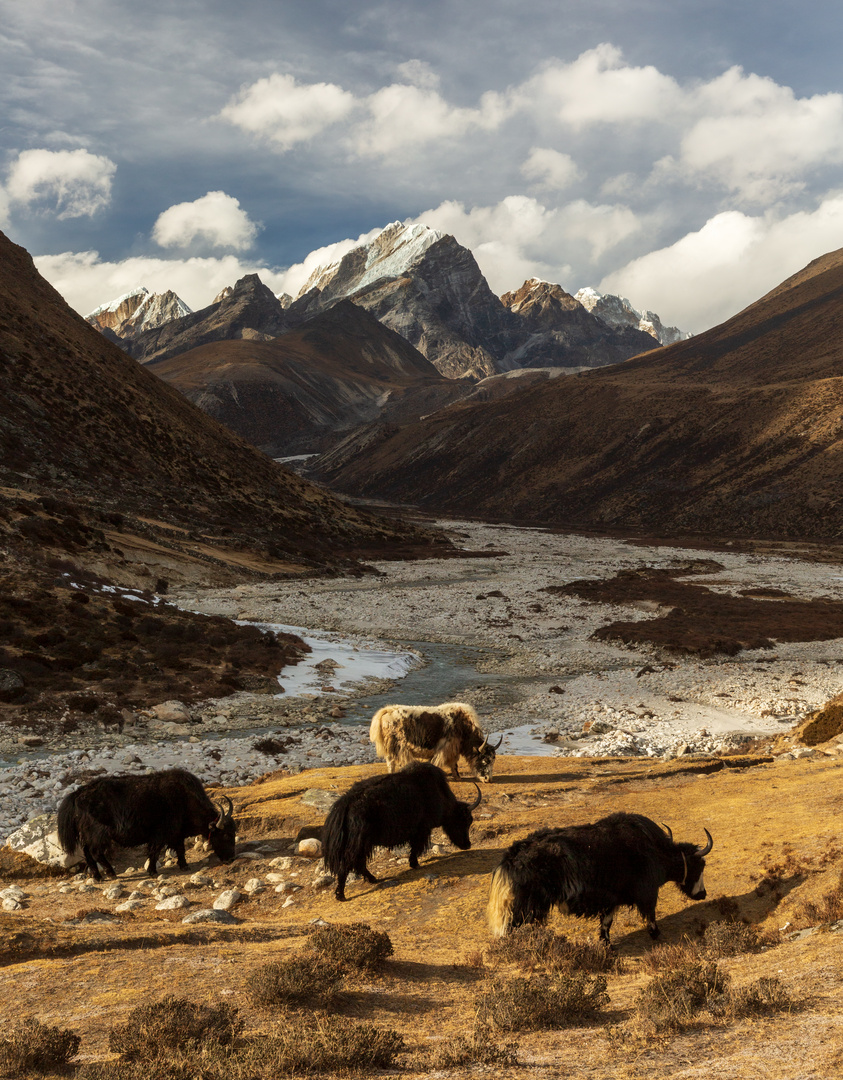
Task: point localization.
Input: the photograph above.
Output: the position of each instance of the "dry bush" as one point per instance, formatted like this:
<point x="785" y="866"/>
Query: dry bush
<point x="352" y="946"/>
<point x="542" y="1001"/>
<point x="477" y="1048"/>
<point x="299" y="980"/>
<point x="760" y="998"/>
<point x="670" y="957"/>
<point x="173" y="1024"/>
<point x="537" y="948"/>
<point x="828" y="909"/>
<point x="672" y="1000"/>
<point x="33" y="1047"/>
<point x="730" y="939"/>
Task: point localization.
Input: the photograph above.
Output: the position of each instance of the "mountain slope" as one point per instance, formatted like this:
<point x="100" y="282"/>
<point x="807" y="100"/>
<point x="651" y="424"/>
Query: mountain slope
<point x="340" y="369"/>
<point x="738" y="430"/>
<point x="112" y="447"/>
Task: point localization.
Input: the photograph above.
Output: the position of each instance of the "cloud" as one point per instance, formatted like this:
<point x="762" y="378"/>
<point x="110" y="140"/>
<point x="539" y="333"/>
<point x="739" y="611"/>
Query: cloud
<point x="712" y="273"/>
<point x="216" y="220"/>
<point x="550" y="169"/>
<point x="286" y="112"/>
<point x="78" y="182"/>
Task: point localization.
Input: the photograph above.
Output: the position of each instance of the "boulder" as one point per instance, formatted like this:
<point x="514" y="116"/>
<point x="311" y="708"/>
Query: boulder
<point x="39" y="839"/>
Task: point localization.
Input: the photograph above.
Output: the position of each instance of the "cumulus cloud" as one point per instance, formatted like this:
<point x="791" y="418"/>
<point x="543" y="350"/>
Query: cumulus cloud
<point x="216" y="220"/>
<point x="285" y="111"/>
<point x="77" y="182"/>
<point x="550" y="169"/>
<point x="710" y="274"/>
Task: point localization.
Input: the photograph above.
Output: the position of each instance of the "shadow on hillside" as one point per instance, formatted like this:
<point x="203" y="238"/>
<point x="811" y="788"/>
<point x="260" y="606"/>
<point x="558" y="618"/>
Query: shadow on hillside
<point x="534" y="778"/>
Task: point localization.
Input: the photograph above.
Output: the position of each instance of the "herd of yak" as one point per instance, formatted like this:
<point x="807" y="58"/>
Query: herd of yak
<point x="587" y="870"/>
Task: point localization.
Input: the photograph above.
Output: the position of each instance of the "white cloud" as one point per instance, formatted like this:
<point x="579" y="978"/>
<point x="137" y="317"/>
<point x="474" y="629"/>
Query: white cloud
<point x="730" y="262"/>
<point x="550" y="169"/>
<point x="282" y="110"/>
<point x="216" y="219"/>
<point x="78" y="182"/>
<point x="296" y="276"/>
<point x="418" y="73"/>
<point x="4" y="209"/>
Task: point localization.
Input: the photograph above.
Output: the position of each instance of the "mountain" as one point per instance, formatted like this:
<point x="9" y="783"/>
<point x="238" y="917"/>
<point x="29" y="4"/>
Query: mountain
<point x="136" y="479"/>
<point x="297" y="392"/>
<point x="737" y="431"/>
<point x="618" y="312"/>
<point x="136" y="311"/>
<point x="554" y="329"/>
<point x="247" y="311"/>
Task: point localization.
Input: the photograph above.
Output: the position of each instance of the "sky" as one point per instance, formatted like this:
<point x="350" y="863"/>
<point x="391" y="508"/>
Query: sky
<point x="687" y="155"/>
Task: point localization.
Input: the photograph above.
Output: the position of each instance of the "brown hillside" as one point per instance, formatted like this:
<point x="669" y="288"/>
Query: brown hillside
<point x="736" y="431"/>
<point x="775" y="864"/>
<point x="133" y="473"/>
<point x="341" y="369"/>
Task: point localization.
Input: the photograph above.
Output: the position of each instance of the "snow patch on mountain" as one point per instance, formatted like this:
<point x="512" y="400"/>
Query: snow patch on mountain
<point x="617" y="311"/>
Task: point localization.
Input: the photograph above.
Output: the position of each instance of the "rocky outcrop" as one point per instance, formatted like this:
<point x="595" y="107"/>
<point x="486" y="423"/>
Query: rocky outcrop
<point x="137" y="311"/>
<point x="617" y="311"/>
<point x="555" y="330"/>
<point x="248" y="311"/>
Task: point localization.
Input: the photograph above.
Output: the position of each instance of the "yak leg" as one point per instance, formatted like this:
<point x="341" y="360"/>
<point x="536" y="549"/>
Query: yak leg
<point x="369" y="876"/>
<point x="181" y="859"/>
<point x="152" y="852"/>
<point x="606" y="920"/>
<point x="102" y="859"/>
<point x="417" y="846"/>
<point x="91" y="863"/>
<point x="340" y="891"/>
<point x="649" y="918"/>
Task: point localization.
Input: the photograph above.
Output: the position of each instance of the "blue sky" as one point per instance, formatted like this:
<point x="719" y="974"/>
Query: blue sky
<point x="687" y="155"/>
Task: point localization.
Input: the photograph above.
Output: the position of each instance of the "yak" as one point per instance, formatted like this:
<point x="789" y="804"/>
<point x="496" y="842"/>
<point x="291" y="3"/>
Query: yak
<point x="159" y="809"/>
<point x="390" y="811"/>
<point x="591" y="870"/>
<point x="438" y="733"/>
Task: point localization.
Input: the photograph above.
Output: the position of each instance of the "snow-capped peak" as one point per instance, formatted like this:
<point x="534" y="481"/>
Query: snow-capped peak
<point x="113" y="305"/>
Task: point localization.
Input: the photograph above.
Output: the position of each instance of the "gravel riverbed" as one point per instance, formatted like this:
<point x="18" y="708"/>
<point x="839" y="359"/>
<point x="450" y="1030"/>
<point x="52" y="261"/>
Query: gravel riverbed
<point x="535" y="674"/>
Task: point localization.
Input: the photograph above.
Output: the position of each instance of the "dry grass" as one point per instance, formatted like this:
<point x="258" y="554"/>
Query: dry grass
<point x="538" y="948"/>
<point x="35" y="1048"/>
<point x="303" y="979"/>
<point x="173" y="1024"/>
<point x="478" y="1047"/>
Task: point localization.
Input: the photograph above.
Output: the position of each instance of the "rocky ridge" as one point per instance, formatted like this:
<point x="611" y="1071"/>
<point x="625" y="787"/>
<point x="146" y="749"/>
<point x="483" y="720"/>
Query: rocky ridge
<point x="137" y="311"/>
<point x="618" y="312"/>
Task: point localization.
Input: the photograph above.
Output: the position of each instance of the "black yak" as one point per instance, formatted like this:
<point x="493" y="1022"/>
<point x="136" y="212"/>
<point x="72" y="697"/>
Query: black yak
<point x="390" y="811"/>
<point x="159" y="809"/>
<point x="438" y="733"/>
<point x="591" y="870"/>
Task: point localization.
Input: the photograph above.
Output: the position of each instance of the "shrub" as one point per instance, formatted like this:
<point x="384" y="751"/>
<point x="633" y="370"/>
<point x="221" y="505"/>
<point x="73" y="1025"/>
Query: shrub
<point x="173" y="1024"/>
<point x="761" y="998"/>
<point x="352" y="945"/>
<point x="296" y="981"/>
<point x="542" y="1001"/>
<point x="477" y="1048"/>
<point x="672" y="1000"/>
<point x="535" y="948"/>
<point x="730" y="939"/>
<point x="305" y="1044"/>
<point x="826" y="910"/>
<point x="33" y="1047"/>
<point x="670" y="957"/>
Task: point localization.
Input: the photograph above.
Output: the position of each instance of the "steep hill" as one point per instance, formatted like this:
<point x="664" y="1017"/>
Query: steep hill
<point x="736" y="431"/>
<point x="101" y="459"/>
<point x="340" y="369"/>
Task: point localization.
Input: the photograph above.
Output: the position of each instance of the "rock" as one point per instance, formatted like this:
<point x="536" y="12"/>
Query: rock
<point x="321" y="799"/>
<point x="38" y="839"/>
<point x="253" y="885"/>
<point x="311" y="849"/>
<point x="171" y="711"/>
<point x="12" y="685"/>
<point x="13" y="892"/>
<point x="167" y="890"/>
<point x="276" y="879"/>
<point x="200" y="879"/>
<point x="130" y="905"/>
<point x="323" y="881"/>
<point x="114" y="893"/>
<point x="211" y="915"/>
<point x="227" y="899"/>
<point x="288" y="902"/>
<point x="31" y="740"/>
<point x="173" y="903"/>
<point x="283" y="862"/>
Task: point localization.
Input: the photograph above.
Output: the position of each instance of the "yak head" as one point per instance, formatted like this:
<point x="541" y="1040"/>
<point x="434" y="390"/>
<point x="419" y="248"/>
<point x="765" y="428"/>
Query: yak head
<point x="693" y="858"/>
<point x="458" y="822"/>
<point x="484" y="760"/>
<point x="222" y="833"/>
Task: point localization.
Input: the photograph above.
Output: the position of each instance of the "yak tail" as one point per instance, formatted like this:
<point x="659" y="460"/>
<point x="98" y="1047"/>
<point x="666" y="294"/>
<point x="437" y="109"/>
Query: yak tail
<point x="68" y="825"/>
<point x="501" y="899"/>
<point x="376" y="733"/>
<point x="335" y="838"/>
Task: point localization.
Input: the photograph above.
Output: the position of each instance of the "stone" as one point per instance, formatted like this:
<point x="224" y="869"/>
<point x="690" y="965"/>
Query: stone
<point x="13" y="892"/>
<point x="10" y="904"/>
<point x="319" y="798"/>
<point x="253" y="885"/>
<point x="211" y="915"/>
<point x="114" y="893"/>
<point x="130" y="904"/>
<point x="12" y="685"/>
<point x="312" y="849"/>
<point x="173" y="903"/>
<point x="171" y="711"/>
<point x="323" y="881"/>
<point x="39" y="839"/>
<point x="227" y="899"/>
<point x="288" y="902"/>
<point x="200" y="879"/>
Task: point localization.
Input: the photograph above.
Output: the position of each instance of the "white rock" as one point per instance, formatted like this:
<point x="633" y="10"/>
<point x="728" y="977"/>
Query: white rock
<point x="13" y="892"/>
<point x="201" y="879"/>
<point x="288" y="901"/>
<point x="311" y="848"/>
<point x="10" y="904"/>
<point x="167" y="890"/>
<point x="226" y="900"/>
<point x="274" y="879"/>
<point x="114" y="893"/>
<point x="173" y="903"/>
<point x="253" y="885"/>
<point x="130" y="905"/>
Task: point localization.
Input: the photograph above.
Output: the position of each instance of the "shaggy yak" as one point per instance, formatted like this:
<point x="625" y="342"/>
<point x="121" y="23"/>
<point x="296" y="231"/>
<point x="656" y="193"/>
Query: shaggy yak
<point x="390" y="811"/>
<point x="160" y="810"/>
<point x="591" y="870"/>
<point x="438" y="733"/>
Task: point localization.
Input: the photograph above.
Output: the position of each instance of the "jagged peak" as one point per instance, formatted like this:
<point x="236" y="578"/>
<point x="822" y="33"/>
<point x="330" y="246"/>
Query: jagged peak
<point x="113" y="305"/>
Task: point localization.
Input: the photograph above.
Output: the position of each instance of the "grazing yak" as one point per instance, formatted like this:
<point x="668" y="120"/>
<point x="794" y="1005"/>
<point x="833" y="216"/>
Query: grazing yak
<point x="390" y="811"/>
<point x="591" y="870"/>
<point x="159" y="809"/>
<point x="438" y="733"/>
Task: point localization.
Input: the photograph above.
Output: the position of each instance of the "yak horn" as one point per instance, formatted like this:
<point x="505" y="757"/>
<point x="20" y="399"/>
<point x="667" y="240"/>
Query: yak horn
<point x="668" y="830"/>
<point x="500" y="740"/>
<point x="476" y="802"/>
<point x="225" y="813"/>
<point x="702" y="851"/>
